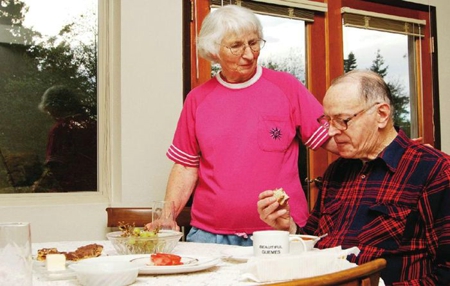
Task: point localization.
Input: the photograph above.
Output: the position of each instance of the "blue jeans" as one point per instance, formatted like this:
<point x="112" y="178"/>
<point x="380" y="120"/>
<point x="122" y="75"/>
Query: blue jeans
<point x="198" y="235"/>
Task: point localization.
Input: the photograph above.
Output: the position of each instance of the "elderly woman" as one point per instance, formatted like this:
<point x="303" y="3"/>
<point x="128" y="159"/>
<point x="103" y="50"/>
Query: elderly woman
<point x="238" y="134"/>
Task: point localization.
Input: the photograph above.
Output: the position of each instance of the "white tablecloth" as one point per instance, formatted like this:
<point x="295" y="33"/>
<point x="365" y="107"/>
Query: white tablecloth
<point x="227" y="272"/>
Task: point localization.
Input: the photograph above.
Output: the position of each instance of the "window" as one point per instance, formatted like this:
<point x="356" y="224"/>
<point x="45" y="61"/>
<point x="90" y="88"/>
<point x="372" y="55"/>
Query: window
<point x="387" y="54"/>
<point x="386" y="44"/>
<point x="46" y="141"/>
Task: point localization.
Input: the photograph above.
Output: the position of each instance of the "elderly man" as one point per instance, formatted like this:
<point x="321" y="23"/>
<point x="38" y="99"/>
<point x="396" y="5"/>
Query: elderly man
<point x="387" y="195"/>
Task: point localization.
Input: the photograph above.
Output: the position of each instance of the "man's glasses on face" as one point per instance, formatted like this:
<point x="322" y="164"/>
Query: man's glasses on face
<point x="339" y="123"/>
<point x="238" y="49"/>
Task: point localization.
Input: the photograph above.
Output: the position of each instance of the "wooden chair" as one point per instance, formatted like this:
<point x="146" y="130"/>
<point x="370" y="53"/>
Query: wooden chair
<point x="141" y="216"/>
<point x="367" y="274"/>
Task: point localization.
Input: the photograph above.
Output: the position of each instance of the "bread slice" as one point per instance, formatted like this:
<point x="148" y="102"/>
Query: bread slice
<point x="281" y="196"/>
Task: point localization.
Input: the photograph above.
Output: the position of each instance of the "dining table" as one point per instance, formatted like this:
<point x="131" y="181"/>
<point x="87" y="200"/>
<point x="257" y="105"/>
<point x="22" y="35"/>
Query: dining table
<point x="227" y="270"/>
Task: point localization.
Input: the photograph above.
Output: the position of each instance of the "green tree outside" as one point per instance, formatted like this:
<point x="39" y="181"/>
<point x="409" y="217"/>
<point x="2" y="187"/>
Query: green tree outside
<point x="399" y="96"/>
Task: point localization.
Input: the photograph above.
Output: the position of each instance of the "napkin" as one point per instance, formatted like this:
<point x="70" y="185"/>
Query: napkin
<point x="306" y="264"/>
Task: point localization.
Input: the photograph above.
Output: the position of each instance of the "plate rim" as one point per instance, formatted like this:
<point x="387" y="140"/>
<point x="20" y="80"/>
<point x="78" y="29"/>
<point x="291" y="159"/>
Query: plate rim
<point x="204" y="262"/>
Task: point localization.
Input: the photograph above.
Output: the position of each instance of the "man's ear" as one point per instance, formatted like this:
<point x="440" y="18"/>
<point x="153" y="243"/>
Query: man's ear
<point x="384" y="114"/>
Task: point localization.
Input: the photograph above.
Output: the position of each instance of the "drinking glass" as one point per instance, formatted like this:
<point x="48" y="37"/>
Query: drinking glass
<point x="16" y="265"/>
<point x="163" y="215"/>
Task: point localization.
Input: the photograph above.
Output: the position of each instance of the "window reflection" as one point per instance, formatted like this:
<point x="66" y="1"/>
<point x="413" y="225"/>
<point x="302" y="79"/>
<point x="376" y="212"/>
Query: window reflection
<point x="37" y="53"/>
<point x="71" y="156"/>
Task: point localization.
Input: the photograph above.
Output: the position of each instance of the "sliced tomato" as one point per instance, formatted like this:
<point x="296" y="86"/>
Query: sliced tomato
<point x="165" y="259"/>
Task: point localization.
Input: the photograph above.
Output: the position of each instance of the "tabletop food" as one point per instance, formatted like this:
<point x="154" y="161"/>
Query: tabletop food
<point x="165" y="259"/>
<point x="133" y="240"/>
<point x="83" y="252"/>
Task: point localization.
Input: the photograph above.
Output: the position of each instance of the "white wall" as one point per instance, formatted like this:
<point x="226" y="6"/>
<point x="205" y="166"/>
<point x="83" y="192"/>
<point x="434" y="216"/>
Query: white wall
<point x="146" y="110"/>
<point x="151" y="95"/>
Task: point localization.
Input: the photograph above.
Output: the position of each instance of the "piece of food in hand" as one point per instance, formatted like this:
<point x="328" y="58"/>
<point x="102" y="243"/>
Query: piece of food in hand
<point x="165" y="259"/>
<point x="281" y="196"/>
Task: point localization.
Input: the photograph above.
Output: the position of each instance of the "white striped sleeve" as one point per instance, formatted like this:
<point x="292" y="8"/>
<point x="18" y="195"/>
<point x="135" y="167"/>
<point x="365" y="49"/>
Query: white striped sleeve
<point x="181" y="157"/>
<point x="319" y="137"/>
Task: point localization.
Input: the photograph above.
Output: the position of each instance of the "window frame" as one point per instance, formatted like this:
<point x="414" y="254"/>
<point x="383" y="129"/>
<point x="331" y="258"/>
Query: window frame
<point x="108" y="116"/>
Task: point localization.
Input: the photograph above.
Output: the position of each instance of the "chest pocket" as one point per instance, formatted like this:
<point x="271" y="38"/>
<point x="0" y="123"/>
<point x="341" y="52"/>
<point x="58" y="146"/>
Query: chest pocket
<point x="386" y="226"/>
<point x="275" y="133"/>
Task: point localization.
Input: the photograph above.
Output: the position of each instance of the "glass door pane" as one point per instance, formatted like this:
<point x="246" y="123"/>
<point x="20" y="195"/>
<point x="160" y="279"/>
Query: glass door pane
<point x="285" y="46"/>
<point x="389" y="55"/>
<point x="285" y="50"/>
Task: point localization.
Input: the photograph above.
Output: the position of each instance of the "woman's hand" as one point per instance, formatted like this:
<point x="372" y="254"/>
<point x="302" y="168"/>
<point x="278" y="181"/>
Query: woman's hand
<point x="272" y="213"/>
<point x="156" y="225"/>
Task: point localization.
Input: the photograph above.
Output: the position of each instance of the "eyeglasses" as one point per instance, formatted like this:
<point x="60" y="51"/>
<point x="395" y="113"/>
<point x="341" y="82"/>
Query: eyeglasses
<point x="338" y="123"/>
<point x="238" y="49"/>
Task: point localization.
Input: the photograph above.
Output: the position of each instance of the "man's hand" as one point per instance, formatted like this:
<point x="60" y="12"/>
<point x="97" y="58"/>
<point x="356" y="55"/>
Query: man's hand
<point x="272" y="213"/>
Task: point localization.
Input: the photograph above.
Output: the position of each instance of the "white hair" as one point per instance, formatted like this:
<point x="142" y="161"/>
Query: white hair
<point x="225" y="20"/>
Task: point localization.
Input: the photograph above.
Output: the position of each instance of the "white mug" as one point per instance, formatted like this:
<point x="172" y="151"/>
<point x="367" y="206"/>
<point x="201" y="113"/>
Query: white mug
<point x="270" y="242"/>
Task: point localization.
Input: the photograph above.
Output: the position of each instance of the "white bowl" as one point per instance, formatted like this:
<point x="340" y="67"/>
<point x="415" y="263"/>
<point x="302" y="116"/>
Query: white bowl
<point x="165" y="241"/>
<point x="309" y="240"/>
<point x="117" y="273"/>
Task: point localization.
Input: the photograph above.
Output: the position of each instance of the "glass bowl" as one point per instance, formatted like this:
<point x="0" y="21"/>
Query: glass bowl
<point x="164" y="241"/>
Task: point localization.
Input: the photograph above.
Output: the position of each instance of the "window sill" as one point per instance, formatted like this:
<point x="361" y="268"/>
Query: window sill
<point x="28" y="199"/>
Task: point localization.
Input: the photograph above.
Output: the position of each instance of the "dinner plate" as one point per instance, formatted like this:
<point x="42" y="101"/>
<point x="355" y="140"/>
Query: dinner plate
<point x="241" y="253"/>
<point x="192" y="264"/>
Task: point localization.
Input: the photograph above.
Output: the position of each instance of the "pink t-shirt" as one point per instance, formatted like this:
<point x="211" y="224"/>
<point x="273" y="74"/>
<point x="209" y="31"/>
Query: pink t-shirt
<point x="243" y="138"/>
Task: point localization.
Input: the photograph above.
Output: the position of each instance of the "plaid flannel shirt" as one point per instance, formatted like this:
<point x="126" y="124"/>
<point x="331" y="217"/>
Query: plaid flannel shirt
<point x="396" y="207"/>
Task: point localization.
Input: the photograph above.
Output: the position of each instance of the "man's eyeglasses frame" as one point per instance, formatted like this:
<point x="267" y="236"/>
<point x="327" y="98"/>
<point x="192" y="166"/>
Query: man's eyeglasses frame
<point x="338" y="123"/>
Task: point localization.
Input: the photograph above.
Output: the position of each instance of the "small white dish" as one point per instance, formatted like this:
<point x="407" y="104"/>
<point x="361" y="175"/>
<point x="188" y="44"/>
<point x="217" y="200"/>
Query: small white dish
<point x="309" y="240"/>
<point x="41" y="269"/>
<point x="113" y="273"/>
